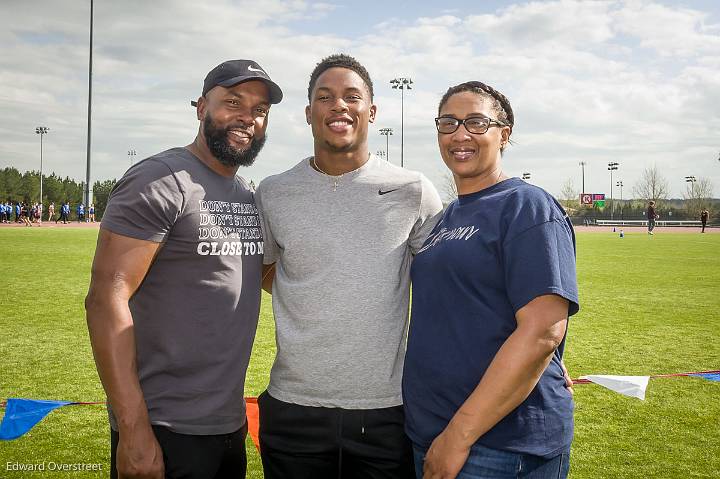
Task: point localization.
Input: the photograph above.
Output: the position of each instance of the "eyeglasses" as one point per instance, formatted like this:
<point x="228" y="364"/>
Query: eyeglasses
<point x="476" y="126"/>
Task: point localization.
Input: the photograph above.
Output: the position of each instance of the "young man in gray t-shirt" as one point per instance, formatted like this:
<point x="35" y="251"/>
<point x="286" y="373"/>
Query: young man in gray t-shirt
<point x="341" y="228"/>
<point x="174" y="298"/>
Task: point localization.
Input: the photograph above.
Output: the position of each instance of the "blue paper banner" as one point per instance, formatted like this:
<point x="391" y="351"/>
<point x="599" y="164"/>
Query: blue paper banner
<point x="22" y="414"/>
<point x="708" y="376"/>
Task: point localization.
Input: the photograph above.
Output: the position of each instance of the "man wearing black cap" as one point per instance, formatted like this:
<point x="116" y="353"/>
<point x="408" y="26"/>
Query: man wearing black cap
<point x="174" y="297"/>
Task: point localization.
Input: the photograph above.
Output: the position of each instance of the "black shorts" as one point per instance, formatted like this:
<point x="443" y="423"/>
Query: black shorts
<point x="187" y="456"/>
<point x="302" y="442"/>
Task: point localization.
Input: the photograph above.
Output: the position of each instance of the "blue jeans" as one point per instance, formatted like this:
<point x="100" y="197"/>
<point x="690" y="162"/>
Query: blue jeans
<point x="486" y="463"/>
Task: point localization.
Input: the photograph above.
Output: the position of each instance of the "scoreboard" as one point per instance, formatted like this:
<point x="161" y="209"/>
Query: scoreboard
<point x="593" y="199"/>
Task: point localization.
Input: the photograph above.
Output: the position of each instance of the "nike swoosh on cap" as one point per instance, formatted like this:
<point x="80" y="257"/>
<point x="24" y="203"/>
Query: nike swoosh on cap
<point x="381" y="192"/>
<point x="250" y="68"/>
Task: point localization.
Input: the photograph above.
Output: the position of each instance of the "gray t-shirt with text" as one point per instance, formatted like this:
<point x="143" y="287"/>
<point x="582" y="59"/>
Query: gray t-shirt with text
<point x="341" y="288"/>
<point x="196" y="312"/>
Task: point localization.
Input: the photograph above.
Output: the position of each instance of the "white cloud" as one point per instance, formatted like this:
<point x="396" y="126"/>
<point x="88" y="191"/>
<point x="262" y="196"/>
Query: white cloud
<point x="669" y="31"/>
<point x="543" y="24"/>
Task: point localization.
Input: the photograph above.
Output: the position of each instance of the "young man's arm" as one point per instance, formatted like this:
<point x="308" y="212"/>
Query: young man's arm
<point x="272" y="251"/>
<point x="119" y="267"/>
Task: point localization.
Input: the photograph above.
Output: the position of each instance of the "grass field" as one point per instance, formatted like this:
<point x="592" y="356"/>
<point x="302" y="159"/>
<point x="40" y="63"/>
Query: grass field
<point x="649" y="305"/>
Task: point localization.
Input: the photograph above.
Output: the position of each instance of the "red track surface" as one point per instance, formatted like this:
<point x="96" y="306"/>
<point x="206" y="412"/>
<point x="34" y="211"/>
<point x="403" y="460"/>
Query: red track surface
<point x="51" y="224"/>
<point x="643" y="229"/>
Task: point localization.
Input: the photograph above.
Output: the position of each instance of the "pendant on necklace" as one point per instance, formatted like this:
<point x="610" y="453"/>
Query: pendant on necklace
<point x="335" y="185"/>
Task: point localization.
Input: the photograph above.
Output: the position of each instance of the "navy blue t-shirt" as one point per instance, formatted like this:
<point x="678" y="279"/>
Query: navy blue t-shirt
<point x="492" y="253"/>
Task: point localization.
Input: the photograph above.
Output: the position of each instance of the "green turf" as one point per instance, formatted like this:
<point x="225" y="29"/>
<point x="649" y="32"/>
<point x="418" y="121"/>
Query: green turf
<point x="649" y="305"/>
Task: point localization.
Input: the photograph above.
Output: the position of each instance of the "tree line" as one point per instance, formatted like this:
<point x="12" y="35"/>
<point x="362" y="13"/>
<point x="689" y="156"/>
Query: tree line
<point x="652" y="185"/>
<point x="25" y="187"/>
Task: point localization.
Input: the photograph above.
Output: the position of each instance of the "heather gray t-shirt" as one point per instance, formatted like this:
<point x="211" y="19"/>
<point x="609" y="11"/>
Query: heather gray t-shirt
<point x="196" y="312"/>
<point x="341" y="288"/>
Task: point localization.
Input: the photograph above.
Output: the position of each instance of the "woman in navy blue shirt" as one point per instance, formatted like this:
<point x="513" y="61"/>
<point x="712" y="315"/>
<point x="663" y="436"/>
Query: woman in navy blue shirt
<point x="493" y="287"/>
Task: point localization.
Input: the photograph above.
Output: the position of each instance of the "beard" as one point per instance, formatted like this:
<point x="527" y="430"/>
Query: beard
<point x="218" y="144"/>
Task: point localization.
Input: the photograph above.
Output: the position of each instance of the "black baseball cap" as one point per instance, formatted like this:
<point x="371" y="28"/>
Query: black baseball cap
<point x="232" y="72"/>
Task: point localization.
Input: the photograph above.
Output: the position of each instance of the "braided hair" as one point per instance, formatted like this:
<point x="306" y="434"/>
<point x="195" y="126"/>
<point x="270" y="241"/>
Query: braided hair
<point x="501" y="105"/>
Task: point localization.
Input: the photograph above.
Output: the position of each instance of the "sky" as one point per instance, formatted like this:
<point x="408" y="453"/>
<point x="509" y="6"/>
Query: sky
<point x="635" y="82"/>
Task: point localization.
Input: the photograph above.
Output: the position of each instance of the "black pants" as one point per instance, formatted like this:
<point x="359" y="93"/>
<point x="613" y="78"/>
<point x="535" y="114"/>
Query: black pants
<point x="220" y="456"/>
<point x="301" y="442"/>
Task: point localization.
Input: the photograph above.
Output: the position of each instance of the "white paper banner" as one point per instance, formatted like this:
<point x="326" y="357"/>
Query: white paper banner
<point x="632" y="386"/>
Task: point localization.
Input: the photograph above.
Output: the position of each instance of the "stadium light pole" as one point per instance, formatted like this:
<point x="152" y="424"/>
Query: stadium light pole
<point x="526" y="176"/>
<point x="89" y="111"/>
<point x="691" y="180"/>
<point x="582" y="165"/>
<point x="42" y="131"/>
<point x="131" y="154"/>
<point x="612" y="166"/>
<point x="622" y="209"/>
<point x="380" y="153"/>
<point x="386" y="132"/>
<point x="402" y="84"/>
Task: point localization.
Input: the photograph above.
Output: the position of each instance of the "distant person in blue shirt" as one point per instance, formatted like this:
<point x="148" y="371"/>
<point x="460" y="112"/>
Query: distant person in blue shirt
<point x="493" y="287"/>
<point x="80" y="213"/>
<point x="64" y="213"/>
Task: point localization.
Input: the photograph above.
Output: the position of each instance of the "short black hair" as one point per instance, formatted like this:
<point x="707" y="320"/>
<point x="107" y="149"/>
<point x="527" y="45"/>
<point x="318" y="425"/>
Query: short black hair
<point x="339" y="60"/>
<point x="500" y="103"/>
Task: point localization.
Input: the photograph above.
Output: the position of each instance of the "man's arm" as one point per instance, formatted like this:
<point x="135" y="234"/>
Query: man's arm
<point x="120" y="265"/>
<point x="508" y="381"/>
<point x="268" y="276"/>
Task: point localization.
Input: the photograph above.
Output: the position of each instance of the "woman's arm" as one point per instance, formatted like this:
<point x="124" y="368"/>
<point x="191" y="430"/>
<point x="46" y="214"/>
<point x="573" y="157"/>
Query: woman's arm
<point x="512" y="375"/>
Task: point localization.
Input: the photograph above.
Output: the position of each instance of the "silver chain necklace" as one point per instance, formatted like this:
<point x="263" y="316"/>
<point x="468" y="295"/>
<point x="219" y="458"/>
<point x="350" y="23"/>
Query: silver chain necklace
<point x="336" y="179"/>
